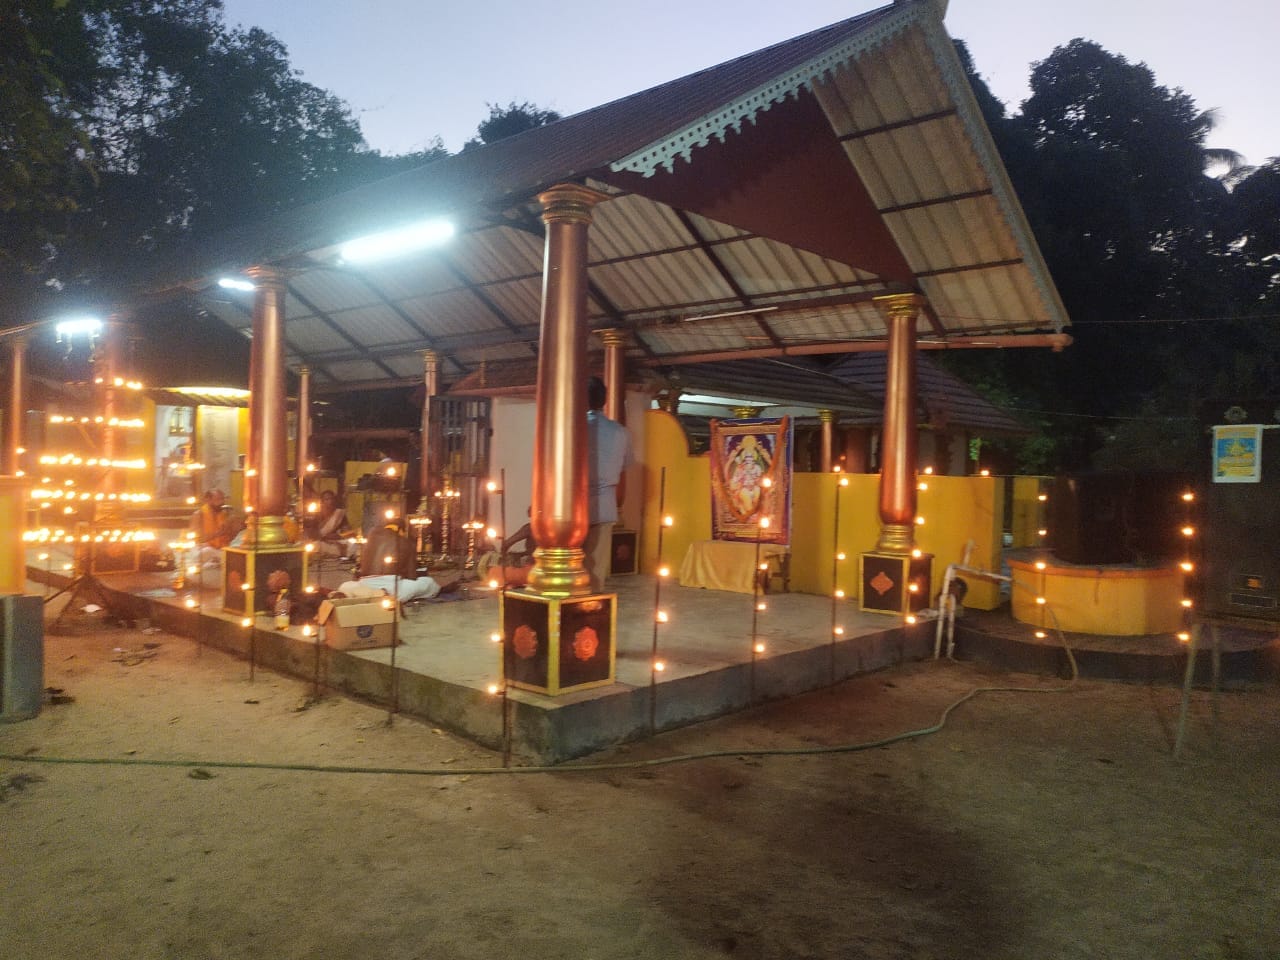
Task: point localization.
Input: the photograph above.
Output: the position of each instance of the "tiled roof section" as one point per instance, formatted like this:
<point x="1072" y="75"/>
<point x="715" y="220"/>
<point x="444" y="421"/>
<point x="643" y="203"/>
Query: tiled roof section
<point x="514" y="169"/>
<point x="944" y="399"/>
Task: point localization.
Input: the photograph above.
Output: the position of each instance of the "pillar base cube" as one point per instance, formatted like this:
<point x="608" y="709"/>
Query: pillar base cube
<point x="887" y="581"/>
<point x="252" y="566"/>
<point x="556" y="645"/>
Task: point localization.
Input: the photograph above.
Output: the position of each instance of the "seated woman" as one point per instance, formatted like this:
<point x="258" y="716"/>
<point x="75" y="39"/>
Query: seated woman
<point x="389" y="564"/>
<point x="329" y="528"/>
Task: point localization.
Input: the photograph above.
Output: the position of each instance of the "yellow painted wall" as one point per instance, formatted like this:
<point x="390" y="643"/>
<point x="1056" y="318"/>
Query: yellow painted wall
<point x="956" y="510"/>
<point x="1029" y="513"/>
<point x="688" y="492"/>
<point x="814" y="543"/>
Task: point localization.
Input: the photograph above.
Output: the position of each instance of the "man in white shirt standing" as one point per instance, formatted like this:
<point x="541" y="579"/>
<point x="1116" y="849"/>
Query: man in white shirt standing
<point x="608" y="454"/>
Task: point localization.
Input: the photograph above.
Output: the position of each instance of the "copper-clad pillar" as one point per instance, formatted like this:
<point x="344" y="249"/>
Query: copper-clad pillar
<point x="857" y="449"/>
<point x="431" y="384"/>
<point x="828" y="421"/>
<point x="559" y="514"/>
<point x="898" y="440"/>
<point x="266" y="489"/>
<point x="615" y="373"/>
<point x="303" y="446"/>
<point x="17" y="403"/>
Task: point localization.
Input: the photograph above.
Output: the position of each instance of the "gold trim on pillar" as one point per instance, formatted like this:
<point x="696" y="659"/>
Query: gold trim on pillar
<point x="898" y="437"/>
<point x="559" y="513"/>
<point x="746" y="413"/>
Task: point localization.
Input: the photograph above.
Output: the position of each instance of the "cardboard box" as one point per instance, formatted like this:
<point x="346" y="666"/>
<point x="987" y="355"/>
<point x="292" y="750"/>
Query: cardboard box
<point x="357" y="623"/>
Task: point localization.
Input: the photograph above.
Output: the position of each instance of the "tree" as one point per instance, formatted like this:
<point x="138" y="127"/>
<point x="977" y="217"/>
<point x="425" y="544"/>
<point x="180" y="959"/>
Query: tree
<point x="1111" y="168"/>
<point x="504" y="122"/>
<point x="45" y="167"/>
<point x="189" y="127"/>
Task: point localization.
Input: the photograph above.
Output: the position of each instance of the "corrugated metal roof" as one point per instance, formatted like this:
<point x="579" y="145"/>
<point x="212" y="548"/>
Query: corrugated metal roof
<point x="809" y="177"/>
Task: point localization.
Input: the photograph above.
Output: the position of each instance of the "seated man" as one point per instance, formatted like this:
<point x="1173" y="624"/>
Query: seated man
<point x="329" y="528"/>
<point x="214" y="526"/>
<point x="515" y="573"/>
<point x="389" y="564"/>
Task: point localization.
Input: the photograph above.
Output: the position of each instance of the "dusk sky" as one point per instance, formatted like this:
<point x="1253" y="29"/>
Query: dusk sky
<point x="415" y="69"/>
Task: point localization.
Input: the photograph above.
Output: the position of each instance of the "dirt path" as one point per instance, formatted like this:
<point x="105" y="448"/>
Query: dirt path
<point x="1048" y="825"/>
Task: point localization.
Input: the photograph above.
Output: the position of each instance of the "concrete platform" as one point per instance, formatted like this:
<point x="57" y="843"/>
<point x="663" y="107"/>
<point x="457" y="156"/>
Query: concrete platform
<point x="447" y="661"/>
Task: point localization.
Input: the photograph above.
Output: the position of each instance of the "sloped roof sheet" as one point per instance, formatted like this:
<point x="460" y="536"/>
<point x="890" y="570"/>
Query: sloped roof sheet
<point x="755" y="208"/>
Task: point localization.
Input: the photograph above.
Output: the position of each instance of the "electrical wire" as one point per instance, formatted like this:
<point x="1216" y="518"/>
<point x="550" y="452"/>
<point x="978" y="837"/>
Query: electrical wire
<point x="558" y="768"/>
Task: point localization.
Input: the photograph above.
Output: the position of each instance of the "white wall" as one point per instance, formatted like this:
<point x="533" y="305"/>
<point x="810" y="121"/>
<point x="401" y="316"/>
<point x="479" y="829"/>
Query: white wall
<point x="511" y="449"/>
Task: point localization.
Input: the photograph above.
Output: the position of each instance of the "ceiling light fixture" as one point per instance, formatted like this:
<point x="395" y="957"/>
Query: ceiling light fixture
<point x="394" y="243"/>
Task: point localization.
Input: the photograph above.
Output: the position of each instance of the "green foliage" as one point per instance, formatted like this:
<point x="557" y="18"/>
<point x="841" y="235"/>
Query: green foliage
<point x="188" y="127"/>
<point x="1147" y="249"/>
<point x="44" y="151"/>
<point x="504" y="122"/>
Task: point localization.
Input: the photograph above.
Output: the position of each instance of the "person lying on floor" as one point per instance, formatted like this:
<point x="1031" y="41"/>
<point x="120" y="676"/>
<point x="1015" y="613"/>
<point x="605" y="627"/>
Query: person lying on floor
<point x="389" y="564"/>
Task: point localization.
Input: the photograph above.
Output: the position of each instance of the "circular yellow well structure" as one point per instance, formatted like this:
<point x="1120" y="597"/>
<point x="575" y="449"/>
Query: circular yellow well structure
<point x="1114" y="599"/>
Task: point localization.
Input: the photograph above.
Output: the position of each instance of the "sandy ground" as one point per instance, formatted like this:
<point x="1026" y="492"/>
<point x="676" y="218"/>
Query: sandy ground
<point x="1034" y="825"/>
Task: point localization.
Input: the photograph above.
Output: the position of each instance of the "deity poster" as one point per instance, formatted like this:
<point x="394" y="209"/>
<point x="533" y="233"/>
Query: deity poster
<point x="751" y="480"/>
<point x="1237" y="453"/>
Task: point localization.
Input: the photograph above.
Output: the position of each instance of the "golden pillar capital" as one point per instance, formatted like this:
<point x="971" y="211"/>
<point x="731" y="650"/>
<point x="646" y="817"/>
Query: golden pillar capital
<point x="614" y="337"/>
<point x="669" y="401"/>
<point x="746" y="413"/>
<point x="569" y="202"/>
<point x="827" y="416"/>
<point x="895" y="305"/>
<point x="266" y="276"/>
